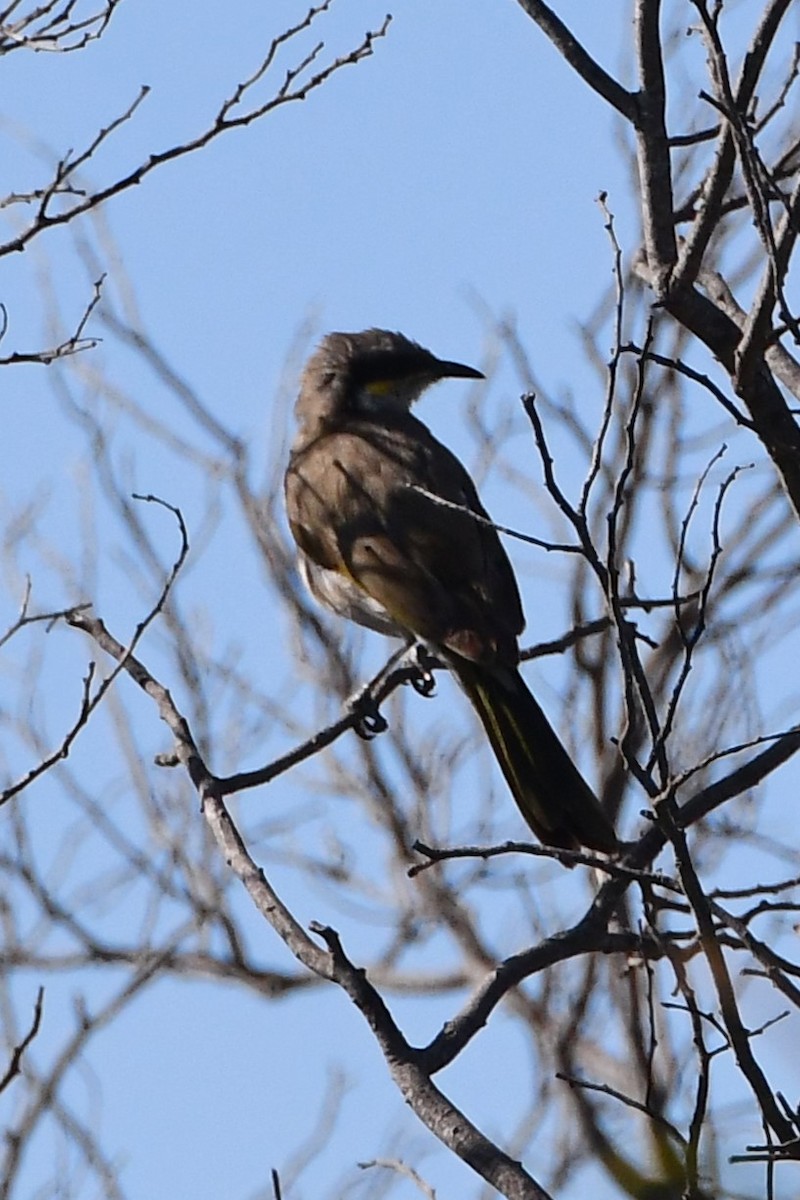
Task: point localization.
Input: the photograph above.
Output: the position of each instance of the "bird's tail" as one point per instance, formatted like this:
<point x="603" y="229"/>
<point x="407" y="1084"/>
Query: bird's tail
<point x="553" y="797"/>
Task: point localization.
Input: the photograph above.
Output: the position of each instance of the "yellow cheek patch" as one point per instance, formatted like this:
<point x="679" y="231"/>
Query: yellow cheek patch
<point x="379" y="387"/>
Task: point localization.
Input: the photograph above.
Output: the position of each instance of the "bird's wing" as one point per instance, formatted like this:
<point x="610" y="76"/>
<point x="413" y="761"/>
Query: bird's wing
<point x="366" y="501"/>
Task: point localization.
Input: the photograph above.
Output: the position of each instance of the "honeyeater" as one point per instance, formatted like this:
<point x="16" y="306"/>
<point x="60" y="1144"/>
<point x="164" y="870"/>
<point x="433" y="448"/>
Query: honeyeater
<point x="384" y="518"/>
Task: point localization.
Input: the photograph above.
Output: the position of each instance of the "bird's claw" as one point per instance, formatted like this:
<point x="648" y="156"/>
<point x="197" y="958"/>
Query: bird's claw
<point x="414" y="665"/>
<point x="423" y="682"/>
<point x="369" y="725"/>
<point x="368" y="719"/>
<point x="422" y="678"/>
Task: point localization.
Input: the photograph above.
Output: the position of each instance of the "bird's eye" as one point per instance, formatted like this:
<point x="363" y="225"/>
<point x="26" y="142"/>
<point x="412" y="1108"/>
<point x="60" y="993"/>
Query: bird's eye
<point x="328" y="378"/>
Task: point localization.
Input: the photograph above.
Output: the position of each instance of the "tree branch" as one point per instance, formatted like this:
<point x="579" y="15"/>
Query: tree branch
<point x="574" y="53"/>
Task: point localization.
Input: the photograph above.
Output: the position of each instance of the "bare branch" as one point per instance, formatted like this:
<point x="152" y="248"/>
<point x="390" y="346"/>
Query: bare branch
<point x="401" y="1168"/>
<point x="574" y="53"/>
<point x="74" y="344"/>
<point x="15" y="1064"/>
<point x="655" y="170"/>
<point x="739" y="1035"/>
<point x="53" y="26"/>
<point x="440" y="1115"/>
<point x="292" y="89"/>
<point x="629" y="1101"/>
<point x="78" y="618"/>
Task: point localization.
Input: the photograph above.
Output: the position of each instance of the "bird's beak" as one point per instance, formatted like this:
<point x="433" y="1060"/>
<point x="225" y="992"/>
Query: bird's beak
<point x="454" y="370"/>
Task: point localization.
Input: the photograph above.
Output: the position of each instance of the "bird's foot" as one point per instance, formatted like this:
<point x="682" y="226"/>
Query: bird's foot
<point x="368" y="720"/>
<point x="368" y="724"/>
<point x="412" y="664"/>
<point x="422" y="664"/>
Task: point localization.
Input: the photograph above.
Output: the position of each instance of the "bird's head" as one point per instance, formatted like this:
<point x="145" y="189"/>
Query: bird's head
<point x="372" y="373"/>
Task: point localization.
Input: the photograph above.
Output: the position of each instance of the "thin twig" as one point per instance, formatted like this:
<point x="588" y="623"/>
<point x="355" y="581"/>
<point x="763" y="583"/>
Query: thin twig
<point x="15" y="1064"/>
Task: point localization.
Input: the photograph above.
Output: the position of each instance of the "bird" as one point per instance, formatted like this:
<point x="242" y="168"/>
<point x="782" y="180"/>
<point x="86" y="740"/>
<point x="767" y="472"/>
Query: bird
<point x="391" y="534"/>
